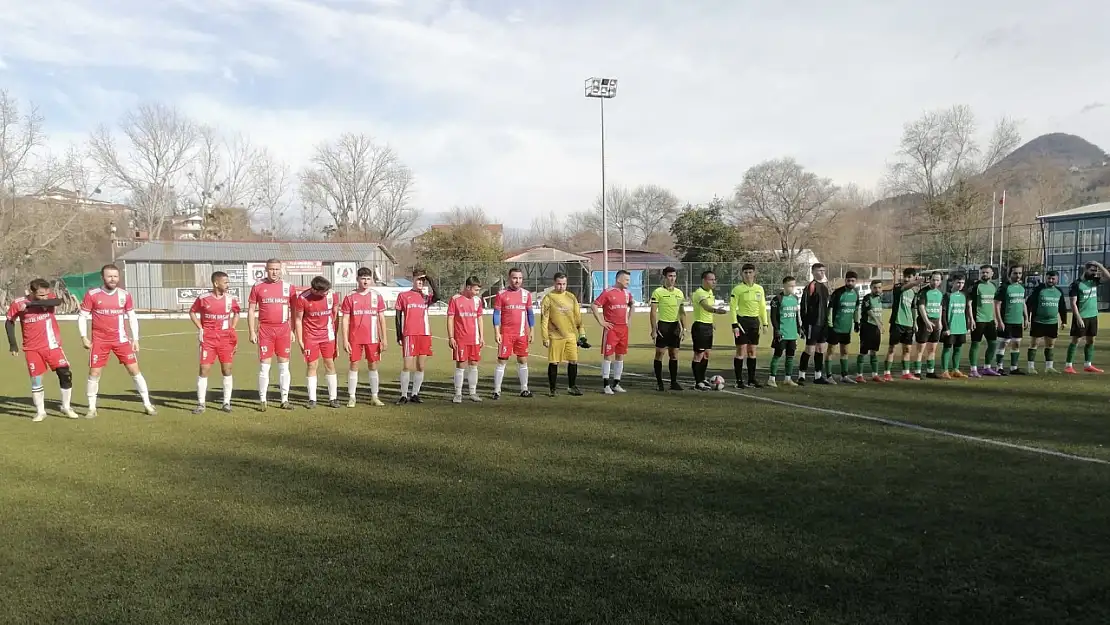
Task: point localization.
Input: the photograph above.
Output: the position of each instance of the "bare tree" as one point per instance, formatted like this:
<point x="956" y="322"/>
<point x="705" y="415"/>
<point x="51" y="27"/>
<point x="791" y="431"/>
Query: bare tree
<point x="272" y="181"/>
<point x="653" y="209"/>
<point x="619" y="215"/>
<point x="394" y="216"/>
<point x="469" y="215"/>
<point x="22" y="138"/>
<point x="160" y="144"/>
<point x="223" y="186"/>
<point x="783" y="198"/>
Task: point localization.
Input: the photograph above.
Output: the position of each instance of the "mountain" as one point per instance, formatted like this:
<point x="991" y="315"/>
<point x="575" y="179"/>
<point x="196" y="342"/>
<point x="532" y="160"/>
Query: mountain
<point x="1056" y="149"/>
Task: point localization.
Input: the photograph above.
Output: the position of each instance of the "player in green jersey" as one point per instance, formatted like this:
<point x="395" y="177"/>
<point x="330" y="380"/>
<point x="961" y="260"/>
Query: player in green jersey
<point x="701" y="331"/>
<point x="668" y="326"/>
<point x="1083" y="301"/>
<point x="902" y="317"/>
<point x="956" y="322"/>
<point x="930" y="304"/>
<point x="980" y="297"/>
<point x="843" y="318"/>
<point x="1049" y="312"/>
<point x="1012" y="315"/>
<point x="786" y="320"/>
<point x="869" y="323"/>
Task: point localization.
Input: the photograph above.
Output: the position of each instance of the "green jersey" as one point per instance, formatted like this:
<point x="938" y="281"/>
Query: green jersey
<point x="933" y="301"/>
<point x="1085" y="292"/>
<point x="842" y="308"/>
<point x="667" y="302"/>
<point x="1011" y="302"/>
<point x="981" y="297"/>
<point x="1045" y="303"/>
<point x="785" y="318"/>
<point x="871" y="311"/>
<point x="702" y="315"/>
<point x="902" y="312"/>
<point x="955" y="313"/>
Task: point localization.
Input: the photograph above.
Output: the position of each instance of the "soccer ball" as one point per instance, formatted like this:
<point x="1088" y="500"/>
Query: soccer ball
<point x="717" y="383"/>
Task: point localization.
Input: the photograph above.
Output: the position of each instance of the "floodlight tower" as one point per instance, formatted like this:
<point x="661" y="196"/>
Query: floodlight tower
<point x="603" y="89"/>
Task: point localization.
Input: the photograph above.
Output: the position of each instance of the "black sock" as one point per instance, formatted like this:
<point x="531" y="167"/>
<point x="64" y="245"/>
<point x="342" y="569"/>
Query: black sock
<point x="674" y="370"/>
<point x="818" y="363"/>
<point x="552" y="375"/>
<point x="658" y="364"/>
<point x="704" y="368"/>
<point x="738" y="369"/>
<point x="803" y="364"/>
<point x="572" y="373"/>
<point x="751" y="370"/>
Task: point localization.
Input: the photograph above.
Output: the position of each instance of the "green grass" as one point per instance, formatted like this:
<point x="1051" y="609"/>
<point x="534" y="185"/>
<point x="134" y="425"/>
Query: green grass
<point x="643" y="508"/>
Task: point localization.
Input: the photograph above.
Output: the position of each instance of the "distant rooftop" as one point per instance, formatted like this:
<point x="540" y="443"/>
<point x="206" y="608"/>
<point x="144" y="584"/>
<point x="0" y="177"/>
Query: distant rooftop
<point x="1088" y="210"/>
<point x="254" y="251"/>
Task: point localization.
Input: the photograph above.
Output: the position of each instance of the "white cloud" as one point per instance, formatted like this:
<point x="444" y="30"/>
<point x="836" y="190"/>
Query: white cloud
<point x="488" y="107"/>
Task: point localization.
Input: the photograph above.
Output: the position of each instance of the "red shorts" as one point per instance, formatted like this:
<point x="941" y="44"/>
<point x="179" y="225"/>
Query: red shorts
<point x="98" y="355"/>
<point x="41" y="361"/>
<point x="417" y="346"/>
<point x="467" y="353"/>
<point x="614" y="342"/>
<point x="220" y="348"/>
<point x="315" y="350"/>
<point x="512" y="346"/>
<point x="274" y="340"/>
<point x="371" y="351"/>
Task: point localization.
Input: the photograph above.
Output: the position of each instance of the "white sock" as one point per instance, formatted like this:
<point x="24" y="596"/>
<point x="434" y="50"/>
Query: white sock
<point x="458" y="379"/>
<point x="140" y="385"/>
<point x="974" y="368"/>
<point x="405" y="383"/>
<point x="352" y="383"/>
<point x="605" y="365"/>
<point x="1088" y="364"/>
<point x="522" y="375"/>
<point x="374" y="379"/>
<point x="310" y="382"/>
<point x="618" y="369"/>
<point x="229" y="385"/>
<point x="1048" y="364"/>
<point x="202" y="389"/>
<point x="284" y="380"/>
<point x="417" y="381"/>
<point x="472" y="379"/>
<point x="67" y="393"/>
<point x="332" y="380"/>
<point x="498" y="376"/>
<point x="263" y="381"/>
<point x="92" y="387"/>
<point x="38" y="396"/>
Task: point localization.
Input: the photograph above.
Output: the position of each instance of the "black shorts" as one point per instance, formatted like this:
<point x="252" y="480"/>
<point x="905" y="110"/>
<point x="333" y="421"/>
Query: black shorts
<point x="1044" y="330"/>
<point x="1090" y="328"/>
<point x="702" y="336"/>
<point x="925" y="336"/>
<point x="900" y="335"/>
<point x="749" y="334"/>
<point x="839" y="338"/>
<point x="870" y="338"/>
<point x="789" y="346"/>
<point x="817" y="334"/>
<point x="668" y="334"/>
<point x="955" y="340"/>
<point x="984" y="329"/>
<point x="1013" y="331"/>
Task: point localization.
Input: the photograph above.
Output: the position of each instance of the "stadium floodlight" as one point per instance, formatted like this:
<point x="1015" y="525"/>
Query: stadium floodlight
<point x="603" y="89"/>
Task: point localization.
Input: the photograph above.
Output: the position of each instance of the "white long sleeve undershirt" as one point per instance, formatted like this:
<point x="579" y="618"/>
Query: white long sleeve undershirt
<point x="133" y="320"/>
<point x="83" y="324"/>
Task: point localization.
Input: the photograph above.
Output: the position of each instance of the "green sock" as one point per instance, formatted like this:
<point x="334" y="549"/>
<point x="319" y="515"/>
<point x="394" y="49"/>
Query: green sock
<point x="874" y="364"/>
<point x="1015" y="356"/>
<point x="946" y="358"/>
<point x="790" y="372"/>
<point x="931" y="365"/>
<point x="859" y="364"/>
<point x="916" y="366"/>
<point x="826" y="368"/>
<point x="843" y="366"/>
<point x="774" y="366"/>
<point x="974" y="353"/>
<point x="992" y="353"/>
<point x="1089" y="353"/>
<point x="954" y="362"/>
<point x="1071" y="353"/>
<point x="1031" y="355"/>
<point x="1049" y="354"/>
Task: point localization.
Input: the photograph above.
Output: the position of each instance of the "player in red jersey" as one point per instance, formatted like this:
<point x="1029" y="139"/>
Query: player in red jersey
<point x="107" y="307"/>
<point x="362" y="326"/>
<point x="315" y="320"/>
<point x="269" y="320"/>
<point x="513" y="320"/>
<point x="414" y="334"/>
<point x="466" y="336"/>
<point x="616" y="304"/>
<point x="216" y="315"/>
<point x="42" y="344"/>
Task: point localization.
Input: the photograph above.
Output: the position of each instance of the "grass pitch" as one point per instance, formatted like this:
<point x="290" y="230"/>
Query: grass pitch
<point x="641" y="508"/>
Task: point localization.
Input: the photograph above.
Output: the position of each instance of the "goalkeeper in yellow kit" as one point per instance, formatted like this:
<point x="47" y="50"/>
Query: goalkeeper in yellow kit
<point x="560" y="327"/>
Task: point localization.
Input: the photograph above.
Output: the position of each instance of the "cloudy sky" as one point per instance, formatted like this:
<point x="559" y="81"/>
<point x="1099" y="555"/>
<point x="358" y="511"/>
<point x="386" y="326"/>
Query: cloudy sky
<point x="484" y="98"/>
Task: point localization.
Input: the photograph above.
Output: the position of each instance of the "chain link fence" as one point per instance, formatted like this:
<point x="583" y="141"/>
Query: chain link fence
<point x="949" y="249"/>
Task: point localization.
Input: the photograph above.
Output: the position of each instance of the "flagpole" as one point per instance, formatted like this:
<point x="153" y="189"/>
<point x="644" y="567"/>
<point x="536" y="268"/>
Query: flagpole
<point x="1002" y="232"/>
<point x="994" y="205"/>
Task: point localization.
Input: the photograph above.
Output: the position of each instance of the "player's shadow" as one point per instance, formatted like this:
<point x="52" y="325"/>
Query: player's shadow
<point x="20" y="407"/>
<point x="128" y="399"/>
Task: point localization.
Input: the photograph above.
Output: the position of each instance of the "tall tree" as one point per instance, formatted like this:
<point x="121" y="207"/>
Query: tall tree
<point x="619" y="215"/>
<point x="160" y="144"/>
<point x="784" y="199"/>
<point x="461" y="248"/>
<point x="653" y="208"/>
<point x="703" y="235"/>
<point x="273" y="180"/>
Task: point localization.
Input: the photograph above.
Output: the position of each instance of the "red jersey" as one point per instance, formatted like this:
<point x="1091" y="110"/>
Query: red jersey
<point x="414" y="304"/>
<point x="513" y="307"/>
<point x="40" y="326"/>
<point x="465" y="313"/>
<point x="615" y="304"/>
<point x="273" y="300"/>
<point x="318" y="315"/>
<point x="216" y="312"/>
<point x="108" y="312"/>
<point x="363" y="311"/>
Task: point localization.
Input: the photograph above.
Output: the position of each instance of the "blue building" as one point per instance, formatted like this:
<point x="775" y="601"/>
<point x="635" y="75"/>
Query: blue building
<point x="1074" y="237"/>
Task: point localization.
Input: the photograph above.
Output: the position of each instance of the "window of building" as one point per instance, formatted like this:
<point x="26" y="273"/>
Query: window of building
<point x="1061" y="242"/>
<point x="1090" y="240"/>
<point x="178" y="276"/>
<point x="1067" y="274"/>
